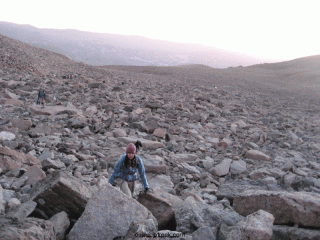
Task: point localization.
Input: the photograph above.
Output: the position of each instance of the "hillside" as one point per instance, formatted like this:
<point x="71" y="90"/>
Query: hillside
<point x="224" y="150"/>
<point x="111" y="49"/>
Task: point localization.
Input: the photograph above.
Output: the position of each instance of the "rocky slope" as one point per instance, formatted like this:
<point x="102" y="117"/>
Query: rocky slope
<point x="214" y="150"/>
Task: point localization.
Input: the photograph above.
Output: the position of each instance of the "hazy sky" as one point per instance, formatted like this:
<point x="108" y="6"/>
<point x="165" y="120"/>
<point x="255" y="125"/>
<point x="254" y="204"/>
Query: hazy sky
<point x="276" y="29"/>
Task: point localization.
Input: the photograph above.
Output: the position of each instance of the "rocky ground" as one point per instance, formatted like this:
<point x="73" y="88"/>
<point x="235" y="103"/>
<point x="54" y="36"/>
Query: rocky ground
<point x="221" y="156"/>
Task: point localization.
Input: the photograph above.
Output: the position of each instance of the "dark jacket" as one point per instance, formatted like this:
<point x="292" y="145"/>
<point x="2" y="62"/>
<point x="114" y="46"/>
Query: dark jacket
<point x="42" y="94"/>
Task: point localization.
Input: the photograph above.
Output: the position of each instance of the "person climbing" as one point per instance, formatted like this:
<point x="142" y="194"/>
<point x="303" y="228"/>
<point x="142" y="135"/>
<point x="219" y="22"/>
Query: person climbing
<point x="126" y="169"/>
<point x="42" y="96"/>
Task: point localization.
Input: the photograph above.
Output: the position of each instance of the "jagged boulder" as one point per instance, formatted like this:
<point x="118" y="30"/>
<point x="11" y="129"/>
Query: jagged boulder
<point x="109" y="214"/>
<point x="161" y="209"/>
<point x="60" y="192"/>
<point x="300" y="208"/>
<point x="194" y="214"/>
<point x="257" y="225"/>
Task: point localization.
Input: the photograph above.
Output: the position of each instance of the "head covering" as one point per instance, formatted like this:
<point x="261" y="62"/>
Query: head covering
<point x="131" y="148"/>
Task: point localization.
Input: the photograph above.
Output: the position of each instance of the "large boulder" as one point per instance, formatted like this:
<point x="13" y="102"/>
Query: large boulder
<point x="257" y="225"/>
<point x="300" y="208"/>
<point x="230" y="190"/>
<point x="30" y="228"/>
<point x="285" y="232"/>
<point x="10" y="159"/>
<point x="60" y="192"/>
<point x="193" y="214"/>
<point x="109" y="214"/>
<point x="161" y="209"/>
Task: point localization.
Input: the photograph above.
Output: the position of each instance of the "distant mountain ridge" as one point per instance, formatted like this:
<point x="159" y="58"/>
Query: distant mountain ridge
<point x="112" y="49"/>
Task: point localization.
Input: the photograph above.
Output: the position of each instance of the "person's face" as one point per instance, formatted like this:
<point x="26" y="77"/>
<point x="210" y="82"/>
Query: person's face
<point x="130" y="155"/>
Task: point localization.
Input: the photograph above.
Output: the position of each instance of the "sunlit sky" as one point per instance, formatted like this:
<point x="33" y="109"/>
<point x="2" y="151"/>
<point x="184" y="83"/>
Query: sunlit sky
<point x="274" y="29"/>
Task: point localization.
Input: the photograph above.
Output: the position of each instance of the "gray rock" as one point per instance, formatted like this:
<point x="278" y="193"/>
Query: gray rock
<point x="204" y="233"/>
<point x="7" y="195"/>
<point x="141" y="230"/>
<point x="285" y="232"/>
<point x="224" y="231"/>
<point x="238" y="167"/>
<point x="22" y="211"/>
<point x="161" y="209"/>
<point x="257" y="155"/>
<point x="194" y="214"/>
<point x="55" y="164"/>
<point x="1" y="201"/>
<point x="34" y="175"/>
<point x="230" y="190"/>
<point x="46" y="155"/>
<point x="301" y="208"/>
<point x="60" y="192"/>
<point x="257" y="225"/>
<point x="109" y="214"/>
<point x="61" y="224"/>
<point x="222" y="168"/>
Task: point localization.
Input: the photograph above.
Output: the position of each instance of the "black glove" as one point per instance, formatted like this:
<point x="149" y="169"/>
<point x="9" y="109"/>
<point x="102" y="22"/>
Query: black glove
<point x="146" y="190"/>
<point x="114" y="184"/>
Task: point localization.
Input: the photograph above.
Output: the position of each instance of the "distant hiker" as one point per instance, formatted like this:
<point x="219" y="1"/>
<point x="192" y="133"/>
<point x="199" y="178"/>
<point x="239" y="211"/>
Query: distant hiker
<point x="42" y="96"/>
<point x="126" y="169"/>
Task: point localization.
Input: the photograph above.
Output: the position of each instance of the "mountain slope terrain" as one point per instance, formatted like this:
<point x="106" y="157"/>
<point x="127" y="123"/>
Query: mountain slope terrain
<point x="223" y="149"/>
<point x="111" y="49"/>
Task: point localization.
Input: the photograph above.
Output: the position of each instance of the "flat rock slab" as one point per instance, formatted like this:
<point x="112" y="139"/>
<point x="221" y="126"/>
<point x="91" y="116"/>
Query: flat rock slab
<point x="10" y="159"/>
<point x="299" y="208"/>
<point x="60" y="192"/>
<point x="179" y="158"/>
<point x="257" y="155"/>
<point x="53" y="110"/>
<point x="109" y="214"/>
<point x="154" y="164"/>
<point x="161" y="209"/>
<point x="230" y="190"/>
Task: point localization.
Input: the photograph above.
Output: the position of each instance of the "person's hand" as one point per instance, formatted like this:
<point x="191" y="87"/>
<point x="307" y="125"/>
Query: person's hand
<point x="146" y="190"/>
<point x="114" y="184"/>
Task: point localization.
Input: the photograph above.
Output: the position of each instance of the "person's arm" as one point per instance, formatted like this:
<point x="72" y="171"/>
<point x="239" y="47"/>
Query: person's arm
<point x="142" y="173"/>
<point x="116" y="170"/>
